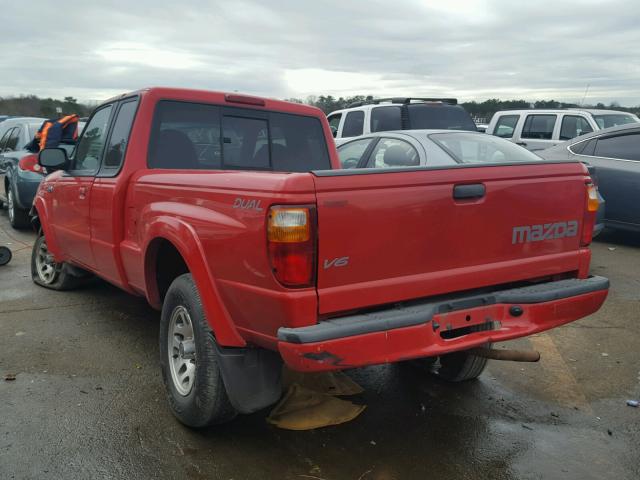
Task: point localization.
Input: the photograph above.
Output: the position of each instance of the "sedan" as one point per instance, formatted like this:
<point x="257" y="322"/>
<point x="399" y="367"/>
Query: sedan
<point x="434" y="148"/>
<point x="614" y="154"/>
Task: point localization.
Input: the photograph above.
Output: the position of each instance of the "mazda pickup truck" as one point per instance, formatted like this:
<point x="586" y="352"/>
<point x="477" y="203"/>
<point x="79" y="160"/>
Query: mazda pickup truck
<point x="231" y="215"/>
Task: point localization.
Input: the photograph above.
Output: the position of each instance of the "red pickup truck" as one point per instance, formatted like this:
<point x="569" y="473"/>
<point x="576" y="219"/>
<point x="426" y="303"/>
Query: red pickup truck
<point x="231" y="215"/>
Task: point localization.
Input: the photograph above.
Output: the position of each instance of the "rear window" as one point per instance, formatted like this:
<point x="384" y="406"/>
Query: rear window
<point x="199" y="136"/>
<point x="480" y="148"/>
<point x="439" y="117"/>
<point x="612" y="120"/>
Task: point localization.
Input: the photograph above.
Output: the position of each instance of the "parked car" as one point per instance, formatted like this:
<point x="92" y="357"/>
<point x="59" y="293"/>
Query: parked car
<point x="437" y="148"/>
<point x="615" y="155"/>
<point x="386" y="114"/>
<point x="541" y="129"/>
<point x="232" y="215"/>
<point x="19" y="185"/>
<point x="22" y="173"/>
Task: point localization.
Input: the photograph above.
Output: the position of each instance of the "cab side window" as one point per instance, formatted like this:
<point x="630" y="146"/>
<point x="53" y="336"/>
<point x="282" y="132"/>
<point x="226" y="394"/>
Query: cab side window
<point x="506" y="125"/>
<point x="119" y="138"/>
<point x="384" y="119"/>
<point x="574" y="126"/>
<point x="353" y="124"/>
<point x="539" y="127"/>
<point x="89" y="150"/>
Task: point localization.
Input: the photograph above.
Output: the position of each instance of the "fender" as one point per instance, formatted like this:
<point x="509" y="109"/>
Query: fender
<point x="186" y="241"/>
<point x="40" y="209"/>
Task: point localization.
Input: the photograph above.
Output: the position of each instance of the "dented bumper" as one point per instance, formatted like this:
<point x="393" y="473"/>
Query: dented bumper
<point x="431" y="328"/>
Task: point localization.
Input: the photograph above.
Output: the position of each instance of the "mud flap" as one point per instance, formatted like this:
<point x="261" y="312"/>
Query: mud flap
<point x="252" y="377"/>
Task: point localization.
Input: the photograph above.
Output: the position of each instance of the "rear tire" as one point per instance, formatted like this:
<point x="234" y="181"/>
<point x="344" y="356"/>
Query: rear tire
<point x="18" y="218"/>
<point x="46" y="272"/>
<point x="460" y="366"/>
<point x="188" y="359"/>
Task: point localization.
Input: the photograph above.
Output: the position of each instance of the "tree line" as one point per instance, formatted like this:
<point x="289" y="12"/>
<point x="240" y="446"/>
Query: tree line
<point x="484" y="109"/>
<point x="33" y="106"/>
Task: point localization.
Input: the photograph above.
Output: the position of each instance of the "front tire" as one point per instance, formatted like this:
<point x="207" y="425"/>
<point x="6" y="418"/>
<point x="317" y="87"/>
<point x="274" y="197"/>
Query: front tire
<point x="46" y="272"/>
<point x="18" y="218"/>
<point x="188" y="359"/>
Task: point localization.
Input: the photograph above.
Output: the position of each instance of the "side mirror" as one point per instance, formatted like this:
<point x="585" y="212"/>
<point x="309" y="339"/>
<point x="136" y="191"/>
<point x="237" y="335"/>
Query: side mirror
<point x="334" y="131"/>
<point x="53" y="159"/>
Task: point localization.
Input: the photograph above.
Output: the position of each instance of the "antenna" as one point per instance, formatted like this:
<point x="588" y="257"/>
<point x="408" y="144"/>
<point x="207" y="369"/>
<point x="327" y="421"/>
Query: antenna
<point x="585" y="94"/>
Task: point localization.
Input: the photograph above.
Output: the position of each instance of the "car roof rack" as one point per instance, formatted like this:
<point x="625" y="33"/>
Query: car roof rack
<point x="403" y="100"/>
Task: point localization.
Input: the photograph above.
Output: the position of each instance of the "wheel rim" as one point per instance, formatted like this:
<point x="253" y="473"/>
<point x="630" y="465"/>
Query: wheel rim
<point x="182" y="350"/>
<point x="10" y="204"/>
<point x="46" y="267"/>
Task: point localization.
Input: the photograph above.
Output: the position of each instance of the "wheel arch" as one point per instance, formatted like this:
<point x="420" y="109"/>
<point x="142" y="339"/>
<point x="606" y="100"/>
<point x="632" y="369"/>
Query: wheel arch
<point x="173" y="248"/>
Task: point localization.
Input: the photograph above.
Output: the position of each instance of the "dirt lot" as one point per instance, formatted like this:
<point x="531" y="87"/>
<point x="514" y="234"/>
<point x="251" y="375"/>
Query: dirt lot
<point x="88" y="401"/>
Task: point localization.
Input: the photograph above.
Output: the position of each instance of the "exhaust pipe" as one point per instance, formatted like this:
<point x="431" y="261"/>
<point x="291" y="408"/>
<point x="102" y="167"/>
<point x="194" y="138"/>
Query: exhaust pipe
<point x="510" y="355"/>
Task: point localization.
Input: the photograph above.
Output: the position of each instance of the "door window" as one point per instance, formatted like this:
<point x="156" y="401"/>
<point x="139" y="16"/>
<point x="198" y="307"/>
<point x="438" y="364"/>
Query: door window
<point x="119" y="137"/>
<point x="539" y="127"/>
<point x="351" y="153"/>
<point x="353" y="124"/>
<point x="384" y="119"/>
<point x="12" y="141"/>
<point x="574" y="126"/>
<point x="334" y="121"/>
<point x="89" y="151"/>
<point x="506" y="125"/>
<point x="3" y="140"/>
<point x="392" y="152"/>
<point x="624" y="147"/>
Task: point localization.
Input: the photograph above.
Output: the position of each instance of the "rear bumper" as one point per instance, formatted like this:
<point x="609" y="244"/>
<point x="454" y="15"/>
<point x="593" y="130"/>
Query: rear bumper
<point x="426" y="329"/>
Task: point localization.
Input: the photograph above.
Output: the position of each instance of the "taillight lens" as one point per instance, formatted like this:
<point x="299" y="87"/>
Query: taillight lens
<point x="291" y="238"/>
<point x="591" y="208"/>
<point x="30" y="164"/>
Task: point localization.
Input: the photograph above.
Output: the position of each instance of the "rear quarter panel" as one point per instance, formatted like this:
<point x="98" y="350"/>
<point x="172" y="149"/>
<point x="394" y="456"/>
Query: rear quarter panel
<point x="226" y="214"/>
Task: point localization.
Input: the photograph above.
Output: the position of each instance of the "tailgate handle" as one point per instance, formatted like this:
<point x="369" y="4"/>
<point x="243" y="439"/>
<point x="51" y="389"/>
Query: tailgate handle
<point x="476" y="190"/>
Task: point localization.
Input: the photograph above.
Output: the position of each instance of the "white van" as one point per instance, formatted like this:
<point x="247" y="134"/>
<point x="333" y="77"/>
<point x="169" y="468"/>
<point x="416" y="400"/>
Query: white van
<point x="540" y="129"/>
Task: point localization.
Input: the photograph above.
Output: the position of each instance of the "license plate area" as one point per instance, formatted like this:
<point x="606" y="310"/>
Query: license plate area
<point x="453" y="325"/>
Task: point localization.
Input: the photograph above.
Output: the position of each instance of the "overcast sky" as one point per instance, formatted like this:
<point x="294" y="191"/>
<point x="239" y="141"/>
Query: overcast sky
<point x="293" y="48"/>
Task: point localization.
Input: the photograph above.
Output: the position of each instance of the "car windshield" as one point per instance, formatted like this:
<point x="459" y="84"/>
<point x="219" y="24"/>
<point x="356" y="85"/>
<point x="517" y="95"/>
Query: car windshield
<point x="481" y="148"/>
<point x="612" y="119"/>
<point x="424" y="116"/>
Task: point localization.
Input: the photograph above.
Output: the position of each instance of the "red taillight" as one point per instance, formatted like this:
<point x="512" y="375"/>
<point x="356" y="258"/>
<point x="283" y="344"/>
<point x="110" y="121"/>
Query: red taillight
<point x="291" y="238"/>
<point x="590" y="211"/>
<point x="30" y="164"/>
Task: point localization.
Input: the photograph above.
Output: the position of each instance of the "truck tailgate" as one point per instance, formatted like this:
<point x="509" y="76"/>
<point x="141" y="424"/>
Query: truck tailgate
<point x="385" y="236"/>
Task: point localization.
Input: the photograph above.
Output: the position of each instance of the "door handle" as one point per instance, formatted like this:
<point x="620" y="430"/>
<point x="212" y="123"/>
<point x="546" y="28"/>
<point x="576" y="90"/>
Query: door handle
<point x="466" y="192"/>
<point x="522" y="144"/>
<point x="82" y="193"/>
